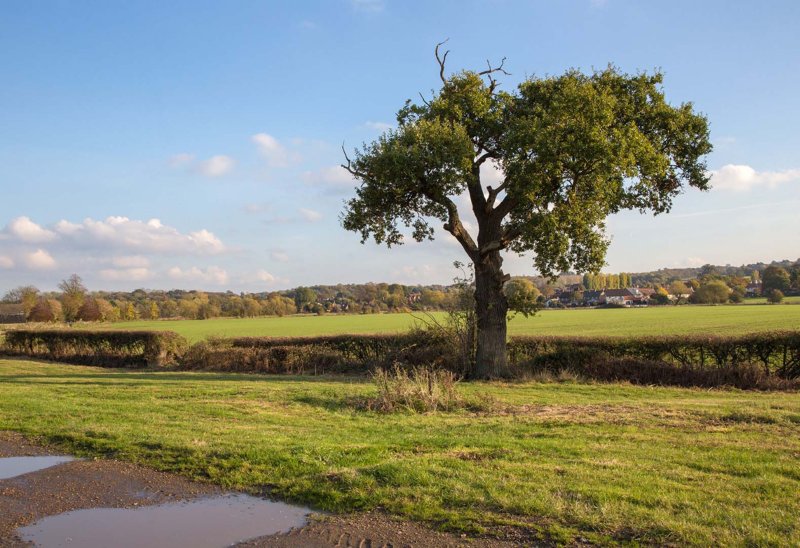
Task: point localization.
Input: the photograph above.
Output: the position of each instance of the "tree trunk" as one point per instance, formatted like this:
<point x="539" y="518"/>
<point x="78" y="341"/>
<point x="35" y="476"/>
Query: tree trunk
<point x="491" y="307"/>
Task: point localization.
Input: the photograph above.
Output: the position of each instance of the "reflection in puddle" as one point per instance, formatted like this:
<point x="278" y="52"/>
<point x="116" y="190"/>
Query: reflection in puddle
<point x="211" y="522"/>
<point x="16" y="466"/>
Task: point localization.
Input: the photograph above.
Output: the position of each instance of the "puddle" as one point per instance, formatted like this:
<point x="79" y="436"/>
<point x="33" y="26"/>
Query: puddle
<point x="16" y="466"/>
<point x="210" y="522"/>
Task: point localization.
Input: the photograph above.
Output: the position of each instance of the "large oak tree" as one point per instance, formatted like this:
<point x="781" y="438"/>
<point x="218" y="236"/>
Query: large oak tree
<point x="572" y="149"/>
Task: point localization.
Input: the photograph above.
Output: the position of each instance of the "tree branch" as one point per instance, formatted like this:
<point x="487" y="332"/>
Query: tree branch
<point x="441" y="60"/>
<point x="456" y="228"/>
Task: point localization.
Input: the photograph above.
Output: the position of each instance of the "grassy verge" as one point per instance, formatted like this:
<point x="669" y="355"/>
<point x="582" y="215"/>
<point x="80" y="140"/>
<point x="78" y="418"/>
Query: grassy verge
<point x="606" y="462"/>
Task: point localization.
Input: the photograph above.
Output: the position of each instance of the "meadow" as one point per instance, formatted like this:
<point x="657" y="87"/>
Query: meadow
<point x="666" y="320"/>
<point x="604" y="462"/>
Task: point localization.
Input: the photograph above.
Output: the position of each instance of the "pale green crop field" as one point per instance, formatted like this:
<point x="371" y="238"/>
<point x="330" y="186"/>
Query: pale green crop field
<point x="728" y="319"/>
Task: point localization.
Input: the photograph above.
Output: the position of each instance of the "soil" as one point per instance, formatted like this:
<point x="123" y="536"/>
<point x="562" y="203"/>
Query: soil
<point x="104" y="483"/>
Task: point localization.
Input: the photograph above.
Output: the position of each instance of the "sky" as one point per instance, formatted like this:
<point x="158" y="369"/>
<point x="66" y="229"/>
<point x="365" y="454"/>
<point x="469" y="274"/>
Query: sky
<point x="197" y="144"/>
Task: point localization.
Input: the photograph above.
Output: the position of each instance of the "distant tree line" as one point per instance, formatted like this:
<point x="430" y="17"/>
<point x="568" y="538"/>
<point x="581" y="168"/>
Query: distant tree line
<point x="74" y="302"/>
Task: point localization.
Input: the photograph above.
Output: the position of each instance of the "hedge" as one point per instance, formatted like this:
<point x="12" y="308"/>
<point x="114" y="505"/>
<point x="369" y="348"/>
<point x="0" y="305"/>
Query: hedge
<point x="698" y="359"/>
<point x="317" y="355"/>
<point x="103" y="348"/>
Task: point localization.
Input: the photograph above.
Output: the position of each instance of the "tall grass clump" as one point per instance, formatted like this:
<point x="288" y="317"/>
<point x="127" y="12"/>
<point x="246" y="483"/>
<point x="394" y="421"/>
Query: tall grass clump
<point x="418" y="389"/>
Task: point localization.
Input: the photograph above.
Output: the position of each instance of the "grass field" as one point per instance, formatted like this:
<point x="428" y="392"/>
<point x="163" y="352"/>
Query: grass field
<point x="617" y="322"/>
<point x="606" y="462"/>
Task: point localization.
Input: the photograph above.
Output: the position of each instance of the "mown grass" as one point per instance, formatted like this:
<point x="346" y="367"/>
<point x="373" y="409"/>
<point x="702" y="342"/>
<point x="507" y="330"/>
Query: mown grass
<point x="729" y="319"/>
<point x="606" y="462"/>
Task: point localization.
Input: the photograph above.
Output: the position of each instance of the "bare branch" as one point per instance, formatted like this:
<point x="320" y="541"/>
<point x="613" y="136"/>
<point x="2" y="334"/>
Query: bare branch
<point x="441" y="60"/>
<point x="456" y="228"/>
<point x="349" y="165"/>
<point x="427" y="104"/>
<point x="492" y="70"/>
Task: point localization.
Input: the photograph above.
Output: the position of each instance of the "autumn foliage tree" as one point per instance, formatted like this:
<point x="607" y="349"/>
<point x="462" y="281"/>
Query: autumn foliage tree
<point x="572" y="149"/>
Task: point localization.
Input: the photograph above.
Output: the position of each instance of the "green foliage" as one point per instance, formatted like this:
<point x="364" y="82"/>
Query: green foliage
<point x="775" y="296"/>
<point x="574" y="148"/>
<point x="103" y="348"/>
<point x="523" y="296"/>
<point x="715" y="292"/>
<point x="775" y="277"/>
<point x="747" y="361"/>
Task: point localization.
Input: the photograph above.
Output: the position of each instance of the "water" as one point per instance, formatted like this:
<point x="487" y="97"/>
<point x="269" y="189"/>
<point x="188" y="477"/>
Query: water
<point x="16" y="466"/>
<point x="209" y="522"/>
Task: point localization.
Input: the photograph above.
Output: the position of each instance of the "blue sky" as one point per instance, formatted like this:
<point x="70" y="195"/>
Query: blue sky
<point x="195" y="144"/>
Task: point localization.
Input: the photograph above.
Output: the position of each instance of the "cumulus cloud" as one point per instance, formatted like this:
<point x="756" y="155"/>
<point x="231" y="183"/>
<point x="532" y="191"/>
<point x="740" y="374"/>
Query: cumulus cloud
<point x="6" y="262"/>
<point x="740" y="178"/>
<point x="491" y="174"/>
<point x="279" y="256"/>
<point x="131" y="261"/>
<point x="25" y="230"/>
<point x="137" y="274"/>
<point x="151" y="236"/>
<point x="216" y="166"/>
<point x="272" y="150"/>
<point x="213" y="275"/>
<point x="264" y="276"/>
<point x="39" y="260"/>
<point x="309" y="214"/>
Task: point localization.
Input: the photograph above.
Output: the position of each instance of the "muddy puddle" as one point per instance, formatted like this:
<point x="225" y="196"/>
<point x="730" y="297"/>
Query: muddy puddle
<point x="16" y="466"/>
<point x="212" y="522"/>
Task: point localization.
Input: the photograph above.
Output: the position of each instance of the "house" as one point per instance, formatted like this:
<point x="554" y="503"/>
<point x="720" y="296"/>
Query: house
<point x="12" y="313"/>
<point x="624" y="297"/>
<point x="753" y="289"/>
<point x="646" y="293"/>
<point x="593" y="297"/>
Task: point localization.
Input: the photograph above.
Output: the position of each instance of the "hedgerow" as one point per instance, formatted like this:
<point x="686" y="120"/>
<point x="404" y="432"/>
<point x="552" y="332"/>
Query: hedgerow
<point x="747" y="361"/>
<point x="318" y="355"/>
<point x="103" y="348"/>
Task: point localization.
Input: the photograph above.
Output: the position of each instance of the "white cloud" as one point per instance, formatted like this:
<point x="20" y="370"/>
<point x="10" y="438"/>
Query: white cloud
<point x="181" y="160"/>
<point x="39" y="260"/>
<point x="491" y="174"/>
<point x="310" y="214"/>
<point x="137" y="274"/>
<point x="335" y="178"/>
<point x="740" y="178"/>
<point x="131" y="261"/>
<point x="150" y="236"/>
<point x="25" y="230"/>
<point x="378" y="126"/>
<point x="279" y="256"/>
<point x="272" y="150"/>
<point x="264" y="276"/>
<point x="212" y="274"/>
<point x="6" y="262"/>
<point x="216" y="166"/>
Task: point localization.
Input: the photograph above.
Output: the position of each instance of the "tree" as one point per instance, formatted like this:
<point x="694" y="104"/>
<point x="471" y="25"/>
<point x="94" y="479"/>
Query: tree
<point x="522" y="296"/>
<point x="89" y="311"/>
<point x="26" y="295"/>
<point x="775" y="277"/>
<point x="569" y="150"/>
<point x="775" y="296"/>
<point x="304" y="297"/>
<point x="73" y="292"/>
<point x="713" y="292"/>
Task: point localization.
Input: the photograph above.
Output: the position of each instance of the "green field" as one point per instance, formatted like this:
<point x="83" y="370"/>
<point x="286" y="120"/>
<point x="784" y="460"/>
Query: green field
<point x="609" y="462"/>
<point x="729" y="319"/>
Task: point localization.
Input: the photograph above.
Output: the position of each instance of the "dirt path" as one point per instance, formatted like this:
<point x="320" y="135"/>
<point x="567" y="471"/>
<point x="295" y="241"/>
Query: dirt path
<point x="113" y="484"/>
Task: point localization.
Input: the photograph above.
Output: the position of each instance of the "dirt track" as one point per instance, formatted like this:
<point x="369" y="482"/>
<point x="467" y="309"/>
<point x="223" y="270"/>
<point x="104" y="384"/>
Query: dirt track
<point x="113" y="484"/>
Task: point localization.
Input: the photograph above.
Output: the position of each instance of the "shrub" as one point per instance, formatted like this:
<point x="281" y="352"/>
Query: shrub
<point x="686" y="360"/>
<point x="318" y="355"/>
<point x="715" y="292"/>
<point x="103" y="348"/>
<point x="775" y="296"/>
